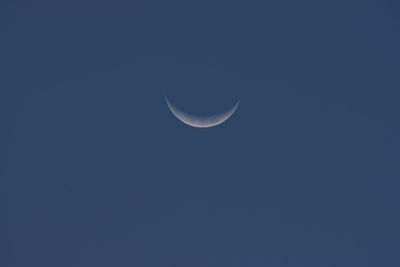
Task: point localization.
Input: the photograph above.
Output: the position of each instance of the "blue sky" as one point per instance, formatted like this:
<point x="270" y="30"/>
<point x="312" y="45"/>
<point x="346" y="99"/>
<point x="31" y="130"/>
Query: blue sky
<point x="96" y="171"/>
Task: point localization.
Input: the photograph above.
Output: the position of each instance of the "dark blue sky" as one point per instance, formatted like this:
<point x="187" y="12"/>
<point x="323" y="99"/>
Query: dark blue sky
<point x="95" y="170"/>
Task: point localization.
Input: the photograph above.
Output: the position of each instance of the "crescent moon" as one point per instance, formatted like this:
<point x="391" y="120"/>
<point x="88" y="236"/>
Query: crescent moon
<point x="201" y="121"/>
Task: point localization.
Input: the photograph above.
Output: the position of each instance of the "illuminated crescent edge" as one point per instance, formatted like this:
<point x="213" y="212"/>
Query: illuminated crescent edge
<point x="201" y="121"/>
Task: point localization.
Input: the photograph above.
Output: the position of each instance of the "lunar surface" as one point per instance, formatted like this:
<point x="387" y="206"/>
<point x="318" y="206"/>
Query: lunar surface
<point x="201" y="121"/>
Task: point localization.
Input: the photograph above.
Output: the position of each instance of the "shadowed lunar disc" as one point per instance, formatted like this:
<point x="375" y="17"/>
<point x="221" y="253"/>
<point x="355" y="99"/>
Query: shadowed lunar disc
<point x="201" y="121"/>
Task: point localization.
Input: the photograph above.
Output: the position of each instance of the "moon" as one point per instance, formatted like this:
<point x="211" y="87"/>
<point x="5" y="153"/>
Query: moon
<point x="201" y="121"/>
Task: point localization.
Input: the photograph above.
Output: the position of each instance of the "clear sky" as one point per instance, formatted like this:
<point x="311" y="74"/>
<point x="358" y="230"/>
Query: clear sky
<point x="96" y="171"/>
